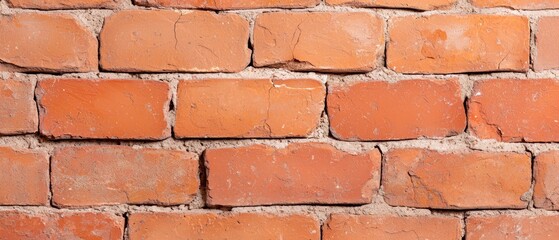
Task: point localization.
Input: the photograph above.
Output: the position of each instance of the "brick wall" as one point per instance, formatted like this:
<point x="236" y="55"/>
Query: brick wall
<point x="285" y="119"/>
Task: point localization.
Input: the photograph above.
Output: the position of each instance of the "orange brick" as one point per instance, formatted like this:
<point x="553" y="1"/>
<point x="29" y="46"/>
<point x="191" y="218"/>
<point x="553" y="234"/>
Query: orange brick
<point x="24" y="176"/>
<point x="18" y="111"/>
<point x="377" y="110"/>
<point x="33" y="42"/>
<point x="103" y="109"/>
<point x="168" y="226"/>
<point x="515" y="110"/>
<point x="459" y="43"/>
<point x="300" y="173"/>
<point x="242" y="108"/>
<point x="412" y="4"/>
<point x="475" y="180"/>
<point x="16" y="225"/>
<point x="63" y="4"/>
<point x="547" y="49"/>
<point x="517" y="4"/>
<point x="351" y="227"/>
<point x="505" y="227"/>
<point x="326" y="42"/>
<point x="546" y="174"/>
<point x="229" y="4"/>
<point x="168" y="41"/>
<point x="105" y="175"/>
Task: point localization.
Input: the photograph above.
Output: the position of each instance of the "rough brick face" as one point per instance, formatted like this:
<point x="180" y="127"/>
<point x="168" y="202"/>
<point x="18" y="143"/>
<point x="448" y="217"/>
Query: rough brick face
<point x="517" y="4"/>
<point x="514" y="110"/>
<point x="352" y="227"/>
<point x="547" y="50"/>
<point x="168" y="41"/>
<point x="546" y="174"/>
<point x="63" y="4"/>
<point x="169" y="226"/>
<point x="18" y="111"/>
<point x="103" y="109"/>
<point x="458" y="43"/>
<point x="300" y="173"/>
<point x="377" y="111"/>
<point x="246" y="108"/>
<point x="24" y="176"/>
<point x="326" y="42"/>
<point x="35" y="42"/>
<point x="16" y="225"/>
<point x="512" y="227"/>
<point x="430" y="179"/>
<point x="229" y="4"/>
<point x="413" y="4"/>
<point x="105" y="175"/>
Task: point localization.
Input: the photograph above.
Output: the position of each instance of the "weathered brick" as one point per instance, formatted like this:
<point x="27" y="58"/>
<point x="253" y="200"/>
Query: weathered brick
<point x="546" y="174"/>
<point x="105" y="175"/>
<point x="35" y="42"/>
<point x="517" y="4"/>
<point x="24" y="176"/>
<point x="168" y="41"/>
<point x="15" y="225"/>
<point x="430" y="179"/>
<point x="242" y="108"/>
<point x="377" y="110"/>
<point x="506" y="227"/>
<point x="547" y="49"/>
<point x="514" y="110"/>
<point x="350" y="227"/>
<point x="18" y="110"/>
<point x="229" y="4"/>
<point x="63" y="4"/>
<point x="319" y="41"/>
<point x="459" y="43"/>
<point x="300" y="173"/>
<point x="168" y="226"/>
<point x="412" y="4"/>
<point x="103" y="109"/>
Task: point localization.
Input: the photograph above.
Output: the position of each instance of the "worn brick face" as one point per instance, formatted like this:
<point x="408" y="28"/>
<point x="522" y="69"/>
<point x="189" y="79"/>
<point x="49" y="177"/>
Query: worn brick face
<point x="229" y="4"/>
<point x="430" y="179"/>
<point x="106" y="175"/>
<point x="18" y="111"/>
<point x="458" y="43"/>
<point x="63" y="4"/>
<point x="325" y="42"/>
<point x="547" y="50"/>
<point x="419" y="5"/>
<point x="517" y="4"/>
<point x="546" y="174"/>
<point x="512" y="227"/>
<point x="300" y="173"/>
<point x="24" y="176"/>
<point x="245" y="108"/>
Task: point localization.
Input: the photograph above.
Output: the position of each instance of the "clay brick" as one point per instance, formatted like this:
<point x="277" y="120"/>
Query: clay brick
<point x="547" y="49"/>
<point x="515" y="110"/>
<point x="24" y="176"/>
<point x="476" y="180"/>
<point x="517" y="4"/>
<point x="168" y="226"/>
<point x="16" y="225"/>
<point x="546" y="174"/>
<point x="168" y="41"/>
<point x="63" y="4"/>
<point x="301" y="173"/>
<point x="505" y="227"/>
<point x="242" y="108"/>
<point x="106" y="175"/>
<point x="377" y="110"/>
<point x="325" y="42"/>
<point x="411" y="4"/>
<point x="103" y="109"/>
<point x="34" y="42"/>
<point x="459" y="43"/>
<point x="18" y="110"/>
<point x="228" y="4"/>
<point x="352" y="227"/>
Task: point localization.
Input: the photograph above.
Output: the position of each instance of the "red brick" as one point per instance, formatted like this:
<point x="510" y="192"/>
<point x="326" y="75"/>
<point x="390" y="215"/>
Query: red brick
<point x="242" y="108"/>
<point x="106" y="175"/>
<point x="377" y="110"/>
<point x="320" y="41"/>
<point x="103" y="109"/>
<point x="475" y="180"/>
<point x="63" y="4"/>
<point x="517" y="4"/>
<point x="16" y="225"/>
<point x="168" y="226"/>
<point x="547" y="50"/>
<point x="546" y="174"/>
<point x="505" y="227"/>
<point x="350" y="227"/>
<point x="515" y="110"/>
<point x="24" y="176"/>
<point x="34" y="42"/>
<point x="18" y="111"/>
<point x="168" y="41"/>
<point x="412" y="4"/>
<point x="459" y="43"/>
<point x="301" y="173"/>
<point x="228" y="4"/>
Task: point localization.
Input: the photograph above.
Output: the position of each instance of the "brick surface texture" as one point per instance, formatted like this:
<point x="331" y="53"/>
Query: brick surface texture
<point x="279" y="119"/>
